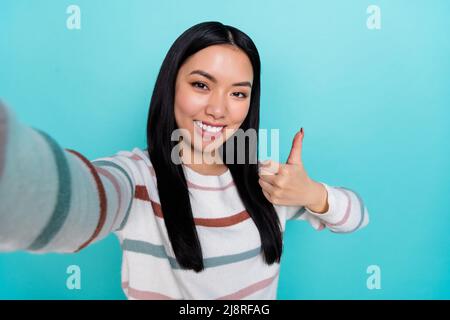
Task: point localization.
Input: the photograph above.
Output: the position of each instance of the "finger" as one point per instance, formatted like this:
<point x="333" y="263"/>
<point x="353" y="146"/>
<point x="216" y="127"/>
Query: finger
<point x="269" y="167"/>
<point x="269" y="178"/>
<point x="295" y="156"/>
<point x="266" y="186"/>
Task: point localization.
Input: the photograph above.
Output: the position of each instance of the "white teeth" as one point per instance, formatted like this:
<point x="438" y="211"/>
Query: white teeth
<point x="208" y="128"/>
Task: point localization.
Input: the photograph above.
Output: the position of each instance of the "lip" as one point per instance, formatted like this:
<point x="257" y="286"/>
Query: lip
<point x="204" y="133"/>
<point x="212" y="124"/>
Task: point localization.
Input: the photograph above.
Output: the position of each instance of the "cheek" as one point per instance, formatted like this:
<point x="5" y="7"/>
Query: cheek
<point x="188" y="104"/>
<point x="238" y="113"/>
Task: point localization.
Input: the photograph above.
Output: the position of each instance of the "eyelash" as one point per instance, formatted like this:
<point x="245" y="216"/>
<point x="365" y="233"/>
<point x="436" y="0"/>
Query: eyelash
<point x="196" y="83"/>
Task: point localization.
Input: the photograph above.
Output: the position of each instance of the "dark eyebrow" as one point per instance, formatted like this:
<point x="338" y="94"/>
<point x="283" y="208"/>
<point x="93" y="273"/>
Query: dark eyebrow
<point x="211" y="77"/>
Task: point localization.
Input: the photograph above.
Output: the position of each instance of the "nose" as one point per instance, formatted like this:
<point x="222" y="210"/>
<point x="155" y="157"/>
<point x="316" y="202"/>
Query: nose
<point x="217" y="105"/>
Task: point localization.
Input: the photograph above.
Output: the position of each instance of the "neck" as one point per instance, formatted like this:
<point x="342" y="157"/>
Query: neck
<point x="203" y="163"/>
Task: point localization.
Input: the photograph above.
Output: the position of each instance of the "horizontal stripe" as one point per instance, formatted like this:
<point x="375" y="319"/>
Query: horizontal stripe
<point x="3" y="137"/>
<point x="141" y="193"/>
<point x="192" y="185"/>
<point x="143" y="295"/>
<point x="157" y="209"/>
<point x="107" y="163"/>
<point x="238" y="295"/>
<point x="347" y="211"/>
<point x="134" y="157"/>
<point x="222" y="222"/>
<point x="101" y="198"/>
<point x="241" y="294"/>
<point x="209" y="222"/>
<point x="116" y="186"/>
<point x="361" y="210"/>
<point x="137" y="157"/>
<point x="158" y="251"/>
<point x="63" y="197"/>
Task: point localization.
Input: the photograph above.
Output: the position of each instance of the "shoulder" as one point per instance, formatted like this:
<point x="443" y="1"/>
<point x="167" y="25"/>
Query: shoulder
<point x="145" y="198"/>
<point x="135" y="163"/>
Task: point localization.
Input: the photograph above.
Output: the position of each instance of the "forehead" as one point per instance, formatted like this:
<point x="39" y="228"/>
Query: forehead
<point x="224" y="62"/>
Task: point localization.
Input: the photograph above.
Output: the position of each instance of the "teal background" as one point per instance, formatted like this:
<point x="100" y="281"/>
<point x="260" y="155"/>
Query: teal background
<point x="374" y="105"/>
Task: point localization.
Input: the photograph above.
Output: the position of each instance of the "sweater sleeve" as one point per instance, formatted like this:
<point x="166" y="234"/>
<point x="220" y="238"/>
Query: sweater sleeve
<point x="346" y="213"/>
<point x="54" y="199"/>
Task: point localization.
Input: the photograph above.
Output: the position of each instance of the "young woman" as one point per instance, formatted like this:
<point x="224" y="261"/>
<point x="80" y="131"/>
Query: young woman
<point x="188" y="229"/>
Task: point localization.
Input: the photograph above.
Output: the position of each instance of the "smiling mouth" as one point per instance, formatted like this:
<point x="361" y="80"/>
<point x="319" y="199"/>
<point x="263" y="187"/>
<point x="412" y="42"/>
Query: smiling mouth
<point x="207" y="130"/>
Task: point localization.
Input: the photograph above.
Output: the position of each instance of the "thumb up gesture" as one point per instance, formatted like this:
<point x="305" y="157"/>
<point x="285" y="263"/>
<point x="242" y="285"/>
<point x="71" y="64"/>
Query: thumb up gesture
<point x="289" y="184"/>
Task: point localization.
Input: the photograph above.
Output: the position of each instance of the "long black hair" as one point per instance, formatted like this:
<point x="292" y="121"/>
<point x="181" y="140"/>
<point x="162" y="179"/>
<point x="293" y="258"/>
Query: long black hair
<point x="172" y="186"/>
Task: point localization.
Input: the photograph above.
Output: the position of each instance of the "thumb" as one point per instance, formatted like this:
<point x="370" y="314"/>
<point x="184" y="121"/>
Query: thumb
<point x="295" y="156"/>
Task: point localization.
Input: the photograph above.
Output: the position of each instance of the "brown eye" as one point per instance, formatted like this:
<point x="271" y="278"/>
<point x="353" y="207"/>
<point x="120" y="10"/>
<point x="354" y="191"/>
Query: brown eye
<point x="199" y="85"/>
<point x="240" y="95"/>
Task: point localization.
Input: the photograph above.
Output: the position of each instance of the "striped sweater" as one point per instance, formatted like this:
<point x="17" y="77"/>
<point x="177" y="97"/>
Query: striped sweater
<point x="64" y="202"/>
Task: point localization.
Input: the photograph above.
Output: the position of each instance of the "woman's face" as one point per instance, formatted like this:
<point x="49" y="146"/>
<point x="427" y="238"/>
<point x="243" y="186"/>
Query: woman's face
<point x="213" y="87"/>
